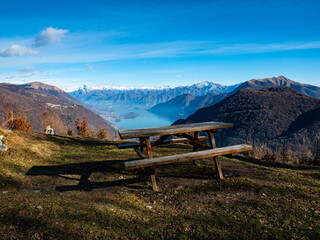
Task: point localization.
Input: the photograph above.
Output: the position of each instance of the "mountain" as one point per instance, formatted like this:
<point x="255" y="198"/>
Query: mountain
<point x="41" y="88"/>
<point x="145" y="97"/>
<point x="174" y="107"/>
<point x="186" y="104"/>
<point x="306" y="126"/>
<point x="281" y="81"/>
<point x="48" y="105"/>
<point x="261" y="115"/>
<point x="180" y="107"/>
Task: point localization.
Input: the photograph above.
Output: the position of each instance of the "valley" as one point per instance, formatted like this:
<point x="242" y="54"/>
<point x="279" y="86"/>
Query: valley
<point x="255" y="107"/>
<point x="256" y="114"/>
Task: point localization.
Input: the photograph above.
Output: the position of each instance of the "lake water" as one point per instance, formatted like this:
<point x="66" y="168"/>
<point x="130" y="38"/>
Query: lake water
<point x="144" y="120"/>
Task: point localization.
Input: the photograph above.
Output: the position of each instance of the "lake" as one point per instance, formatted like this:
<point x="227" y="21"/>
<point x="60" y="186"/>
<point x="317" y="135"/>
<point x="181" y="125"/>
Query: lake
<point x="144" y="120"/>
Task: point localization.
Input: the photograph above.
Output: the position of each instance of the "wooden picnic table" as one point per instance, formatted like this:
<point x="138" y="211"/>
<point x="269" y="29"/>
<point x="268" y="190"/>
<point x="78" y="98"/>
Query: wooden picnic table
<point x="185" y="133"/>
<point x="189" y="132"/>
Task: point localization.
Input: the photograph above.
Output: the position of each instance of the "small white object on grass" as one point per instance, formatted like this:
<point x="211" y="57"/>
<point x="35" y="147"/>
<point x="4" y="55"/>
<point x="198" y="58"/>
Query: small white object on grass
<point x="3" y="147"/>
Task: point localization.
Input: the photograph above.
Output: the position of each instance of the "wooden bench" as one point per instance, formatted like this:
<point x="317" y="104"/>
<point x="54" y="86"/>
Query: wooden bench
<point x="169" y="141"/>
<point x="153" y="162"/>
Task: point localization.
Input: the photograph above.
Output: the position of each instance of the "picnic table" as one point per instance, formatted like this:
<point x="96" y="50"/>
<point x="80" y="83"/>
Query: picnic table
<point x="186" y="133"/>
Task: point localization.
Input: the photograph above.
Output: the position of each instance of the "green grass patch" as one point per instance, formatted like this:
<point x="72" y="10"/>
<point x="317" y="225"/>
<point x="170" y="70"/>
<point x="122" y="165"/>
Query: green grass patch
<point x="55" y="187"/>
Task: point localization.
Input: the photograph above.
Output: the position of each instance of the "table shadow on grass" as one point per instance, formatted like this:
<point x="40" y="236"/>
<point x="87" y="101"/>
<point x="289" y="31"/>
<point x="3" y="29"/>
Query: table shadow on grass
<point x="84" y="170"/>
<point x="74" y="140"/>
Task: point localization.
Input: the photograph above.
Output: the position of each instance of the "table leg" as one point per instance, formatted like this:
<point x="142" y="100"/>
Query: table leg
<point x="215" y="159"/>
<point x="156" y="144"/>
<point x="148" y="145"/>
<point x="211" y="139"/>
<point x="141" y="144"/>
<point x="152" y="169"/>
<point x="218" y="167"/>
<point x="153" y="179"/>
<point x="195" y="147"/>
<point x="139" y="150"/>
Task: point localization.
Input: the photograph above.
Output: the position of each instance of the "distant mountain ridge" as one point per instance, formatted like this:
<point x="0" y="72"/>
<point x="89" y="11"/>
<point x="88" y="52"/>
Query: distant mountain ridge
<point x="41" y="88"/>
<point x="146" y="97"/>
<point x="43" y="104"/>
<point x="264" y="115"/>
<point x="182" y="107"/>
<point x="281" y="81"/>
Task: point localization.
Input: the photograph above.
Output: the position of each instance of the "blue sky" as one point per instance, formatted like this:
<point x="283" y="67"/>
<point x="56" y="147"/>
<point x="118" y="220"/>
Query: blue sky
<point x="158" y="43"/>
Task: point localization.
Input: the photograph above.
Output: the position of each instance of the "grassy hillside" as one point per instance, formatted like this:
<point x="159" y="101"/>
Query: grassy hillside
<point x="71" y="188"/>
<point x="45" y="105"/>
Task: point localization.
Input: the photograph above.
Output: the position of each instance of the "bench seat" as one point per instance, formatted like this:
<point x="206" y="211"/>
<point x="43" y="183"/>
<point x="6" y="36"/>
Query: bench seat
<point x="187" y="156"/>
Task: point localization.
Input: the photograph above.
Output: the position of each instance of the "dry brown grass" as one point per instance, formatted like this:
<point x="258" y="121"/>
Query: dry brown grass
<point x="298" y="153"/>
<point x="102" y="134"/>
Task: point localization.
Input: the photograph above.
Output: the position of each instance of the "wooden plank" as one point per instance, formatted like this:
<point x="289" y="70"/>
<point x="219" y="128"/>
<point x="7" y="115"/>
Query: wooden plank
<point x="156" y="143"/>
<point x="195" y="147"/>
<point x="153" y="179"/>
<point x="137" y="150"/>
<point x="168" y="141"/>
<point x="159" y="141"/>
<point x="149" y="150"/>
<point x="211" y="139"/>
<point x="195" y="141"/>
<point x="215" y="159"/>
<point x="141" y="140"/>
<point x="218" y="167"/>
<point x="152" y="168"/>
<point x="170" y="130"/>
<point x="187" y="156"/>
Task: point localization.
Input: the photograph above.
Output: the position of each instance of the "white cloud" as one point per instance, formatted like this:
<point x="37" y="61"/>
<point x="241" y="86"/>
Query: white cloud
<point x="17" y="50"/>
<point x="26" y="70"/>
<point x="26" y="76"/>
<point x="48" y="36"/>
<point x="259" y="48"/>
<point x="90" y="66"/>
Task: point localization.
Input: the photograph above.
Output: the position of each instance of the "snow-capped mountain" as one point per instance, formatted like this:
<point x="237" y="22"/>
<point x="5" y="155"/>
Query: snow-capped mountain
<point x="146" y="96"/>
<point x="186" y="104"/>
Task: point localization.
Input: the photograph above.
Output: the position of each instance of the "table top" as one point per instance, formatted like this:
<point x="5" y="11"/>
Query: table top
<point x="175" y="129"/>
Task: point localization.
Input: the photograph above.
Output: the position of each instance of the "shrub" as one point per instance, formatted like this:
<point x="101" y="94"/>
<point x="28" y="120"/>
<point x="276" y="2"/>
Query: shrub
<point x="20" y="123"/>
<point x="102" y="134"/>
<point x="82" y="127"/>
<point x="70" y="132"/>
<point x="92" y="134"/>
